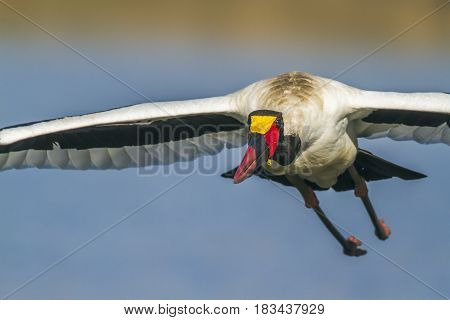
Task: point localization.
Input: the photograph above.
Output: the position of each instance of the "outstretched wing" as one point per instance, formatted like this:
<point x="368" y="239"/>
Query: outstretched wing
<point x="140" y="135"/>
<point x="422" y="117"/>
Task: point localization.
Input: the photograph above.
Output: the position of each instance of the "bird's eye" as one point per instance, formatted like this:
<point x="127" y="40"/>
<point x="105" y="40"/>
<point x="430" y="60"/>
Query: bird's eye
<point x="278" y="122"/>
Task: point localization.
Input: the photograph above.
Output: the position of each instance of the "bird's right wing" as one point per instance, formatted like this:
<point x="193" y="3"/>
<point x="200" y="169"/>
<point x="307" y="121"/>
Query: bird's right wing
<point x="140" y="135"/>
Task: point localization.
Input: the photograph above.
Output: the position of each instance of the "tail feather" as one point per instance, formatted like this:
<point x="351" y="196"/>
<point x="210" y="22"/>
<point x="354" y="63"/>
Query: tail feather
<point x="372" y="167"/>
<point x="368" y="165"/>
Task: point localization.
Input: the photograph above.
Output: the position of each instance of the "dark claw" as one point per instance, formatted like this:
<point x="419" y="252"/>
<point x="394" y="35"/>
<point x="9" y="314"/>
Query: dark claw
<point x="381" y="235"/>
<point x="351" y="249"/>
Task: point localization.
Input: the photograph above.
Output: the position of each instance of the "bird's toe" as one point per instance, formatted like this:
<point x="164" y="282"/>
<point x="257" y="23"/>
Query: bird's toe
<point x="384" y="231"/>
<point x="351" y="249"/>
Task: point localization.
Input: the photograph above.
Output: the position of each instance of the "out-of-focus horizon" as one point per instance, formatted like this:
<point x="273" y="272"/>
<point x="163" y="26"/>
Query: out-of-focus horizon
<point x="288" y="23"/>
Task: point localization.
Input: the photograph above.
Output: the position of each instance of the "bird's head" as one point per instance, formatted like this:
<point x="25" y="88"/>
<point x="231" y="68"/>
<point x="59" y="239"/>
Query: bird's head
<point x="266" y="143"/>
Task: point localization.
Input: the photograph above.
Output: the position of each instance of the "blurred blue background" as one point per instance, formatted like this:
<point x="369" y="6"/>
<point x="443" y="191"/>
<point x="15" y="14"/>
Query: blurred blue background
<point x="208" y="238"/>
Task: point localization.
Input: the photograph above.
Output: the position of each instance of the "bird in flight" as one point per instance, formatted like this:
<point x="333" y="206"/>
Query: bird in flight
<point x="301" y="130"/>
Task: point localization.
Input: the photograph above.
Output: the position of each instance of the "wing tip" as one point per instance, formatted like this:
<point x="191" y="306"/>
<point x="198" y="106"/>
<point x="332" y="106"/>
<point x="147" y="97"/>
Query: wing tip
<point x="229" y="174"/>
<point x="415" y="176"/>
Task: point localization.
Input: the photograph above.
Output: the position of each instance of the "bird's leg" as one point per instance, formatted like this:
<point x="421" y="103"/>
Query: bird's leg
<point x="349" y="245"/>
<point x="382" y="231"/>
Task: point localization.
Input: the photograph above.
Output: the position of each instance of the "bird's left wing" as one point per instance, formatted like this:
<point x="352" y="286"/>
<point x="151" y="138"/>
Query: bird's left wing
<point x="422" y="117"/>
<point x="140" y="135"/>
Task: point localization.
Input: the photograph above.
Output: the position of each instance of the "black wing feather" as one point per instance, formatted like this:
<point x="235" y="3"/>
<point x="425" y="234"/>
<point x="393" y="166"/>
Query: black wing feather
<point x="129" y="134"/>
<point x="409" y="118"/>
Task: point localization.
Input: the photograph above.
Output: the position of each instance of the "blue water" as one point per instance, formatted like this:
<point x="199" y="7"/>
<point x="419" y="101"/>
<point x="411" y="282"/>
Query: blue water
<point x="207" y="238"/>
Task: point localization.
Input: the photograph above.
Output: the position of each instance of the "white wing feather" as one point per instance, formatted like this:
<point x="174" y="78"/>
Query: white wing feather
<point x="361" y="103"/>
<point x="140" y="112"/>
<point x="426" y="102"/>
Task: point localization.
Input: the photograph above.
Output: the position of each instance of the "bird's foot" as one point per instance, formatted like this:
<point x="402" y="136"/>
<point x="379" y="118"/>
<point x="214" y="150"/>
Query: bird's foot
<point x="351" y="249"/>
<point x="383" y="232"/>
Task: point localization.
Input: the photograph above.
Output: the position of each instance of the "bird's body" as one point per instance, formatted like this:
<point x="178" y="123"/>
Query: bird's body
<point x="326" y="149"/>
<point x="305" y="128"/>
<point x="299" y="98"/>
